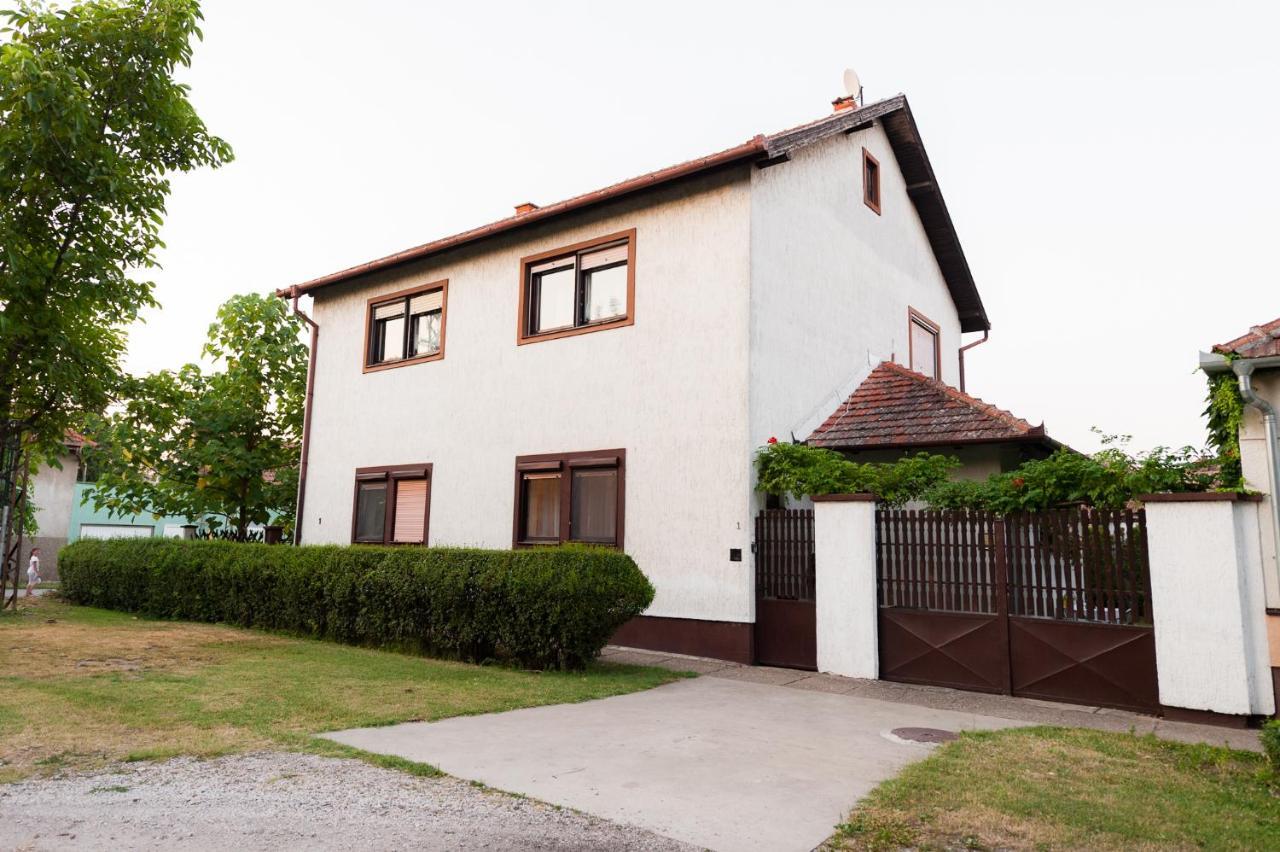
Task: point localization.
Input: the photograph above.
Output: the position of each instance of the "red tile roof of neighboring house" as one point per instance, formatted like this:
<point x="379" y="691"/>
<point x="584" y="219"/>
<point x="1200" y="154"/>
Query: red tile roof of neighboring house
<point x="73" y="439"/>
<point x="894" y="114"/>
<point x="1262" y="341"/>
<point x="897" y="408"/>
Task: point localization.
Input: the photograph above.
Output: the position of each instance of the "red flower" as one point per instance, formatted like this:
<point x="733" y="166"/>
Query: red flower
<point x="773" y="440"/>
<point x="1018" y="482"/>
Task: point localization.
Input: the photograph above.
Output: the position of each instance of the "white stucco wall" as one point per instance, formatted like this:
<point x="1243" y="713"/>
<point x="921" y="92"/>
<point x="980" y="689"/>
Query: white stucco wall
<point x="758" y="293"/>
<point x="845" y="588"/>
<point x="1208" y="607"/>
<point x="670" y="389"/>
<point x="54" y="493"/>
<point x="831" y="281"/>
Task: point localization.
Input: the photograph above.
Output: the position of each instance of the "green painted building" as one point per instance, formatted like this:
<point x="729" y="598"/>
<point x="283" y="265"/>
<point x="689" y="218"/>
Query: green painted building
<point x="86" y="522"/>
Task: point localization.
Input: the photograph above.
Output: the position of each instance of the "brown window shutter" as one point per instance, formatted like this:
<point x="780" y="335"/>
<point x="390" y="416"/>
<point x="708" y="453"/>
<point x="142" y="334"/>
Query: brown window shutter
<point x="411" y="511"/>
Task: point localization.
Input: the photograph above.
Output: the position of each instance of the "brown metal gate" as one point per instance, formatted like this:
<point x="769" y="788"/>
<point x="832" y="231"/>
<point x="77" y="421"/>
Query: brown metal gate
<point x="786" y="631"/>
<point x="1052" y="604"/>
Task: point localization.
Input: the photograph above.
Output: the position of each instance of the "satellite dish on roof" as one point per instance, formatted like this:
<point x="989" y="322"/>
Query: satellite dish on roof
<point x="852" y="85"/>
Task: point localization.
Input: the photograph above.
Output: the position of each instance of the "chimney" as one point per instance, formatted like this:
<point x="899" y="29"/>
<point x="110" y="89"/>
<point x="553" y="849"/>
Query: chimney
<point x="845" y="102"/>
<point x="526" y="207"/>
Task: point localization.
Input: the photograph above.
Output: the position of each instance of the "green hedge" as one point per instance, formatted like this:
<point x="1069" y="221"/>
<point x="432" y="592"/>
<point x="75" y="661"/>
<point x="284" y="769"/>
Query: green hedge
<point x="538" y="608"/>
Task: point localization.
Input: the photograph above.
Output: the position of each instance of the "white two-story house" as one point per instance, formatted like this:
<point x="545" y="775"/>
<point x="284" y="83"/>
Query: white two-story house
<point x="602" y="369"/>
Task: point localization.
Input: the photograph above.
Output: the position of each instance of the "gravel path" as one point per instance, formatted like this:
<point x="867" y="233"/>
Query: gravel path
<point x="277" y="801"/>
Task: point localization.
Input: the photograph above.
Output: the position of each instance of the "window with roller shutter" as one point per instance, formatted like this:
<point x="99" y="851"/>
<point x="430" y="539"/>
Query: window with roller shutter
<point x="406" y="327"/>
<point x="392" y="505"/>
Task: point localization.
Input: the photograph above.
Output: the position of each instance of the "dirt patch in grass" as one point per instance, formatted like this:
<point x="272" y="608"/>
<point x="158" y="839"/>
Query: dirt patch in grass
<point x="80" y="688"/>
<point x="40" y="644"/>
<point x="1054" y="788"/>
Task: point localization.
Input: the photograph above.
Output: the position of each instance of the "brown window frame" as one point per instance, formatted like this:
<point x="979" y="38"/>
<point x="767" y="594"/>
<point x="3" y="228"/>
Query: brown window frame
<point x="915" y="318"/>
<point x="392" y="475"/>
<point x="871" y="181"/>
<point x="524" y="319"/>
<point x="565" y="464"/>
<point x="371" y="366"/>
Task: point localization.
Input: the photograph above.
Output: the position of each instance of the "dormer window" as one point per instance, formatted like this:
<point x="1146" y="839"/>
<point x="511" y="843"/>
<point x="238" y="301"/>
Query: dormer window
<point x="406" y="327"/>
<point x="870" y="181"/>
<point x="585" y="287"/>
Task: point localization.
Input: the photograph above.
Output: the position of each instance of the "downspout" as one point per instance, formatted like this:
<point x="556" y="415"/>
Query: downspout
<point x="306" y="414"/>
<point x="1244" y="374"/>
<point x="986" y="332"/>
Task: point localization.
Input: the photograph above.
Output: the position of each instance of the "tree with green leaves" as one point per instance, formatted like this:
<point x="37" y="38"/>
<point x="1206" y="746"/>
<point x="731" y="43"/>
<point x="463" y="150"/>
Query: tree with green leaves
<point x="92" y="123"/>
<point x="221" y="444"/>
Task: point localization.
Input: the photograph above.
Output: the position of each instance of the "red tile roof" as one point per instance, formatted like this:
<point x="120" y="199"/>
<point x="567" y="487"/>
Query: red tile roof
<point x="896" y="407"/>
<point x="1262" y="341"/>
<point x="74" y="440"/>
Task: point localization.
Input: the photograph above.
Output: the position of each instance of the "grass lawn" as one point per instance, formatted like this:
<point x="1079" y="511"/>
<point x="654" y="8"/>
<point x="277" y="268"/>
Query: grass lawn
<point x="1060" y="788"/>
<point x="81" y="687"/>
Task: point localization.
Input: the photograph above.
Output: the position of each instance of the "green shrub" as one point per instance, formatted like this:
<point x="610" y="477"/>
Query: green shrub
<point x="1270" y="737"/>
<point x="537" y="608"/>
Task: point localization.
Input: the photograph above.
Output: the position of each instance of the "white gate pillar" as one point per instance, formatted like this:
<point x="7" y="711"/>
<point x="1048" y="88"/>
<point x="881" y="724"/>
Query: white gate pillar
<point x="844" y="528"/>
<point x="1208" y="603"/>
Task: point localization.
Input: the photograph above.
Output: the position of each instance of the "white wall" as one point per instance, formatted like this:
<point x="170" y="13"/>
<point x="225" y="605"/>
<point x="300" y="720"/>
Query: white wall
<point x="54" y="493"/>
<point x="671" y="390"/>
<point x="831" y="281"/>
<point x="845" y="587"/>
<point x="1253" y="461"/>
<point x="1208" y="606"/>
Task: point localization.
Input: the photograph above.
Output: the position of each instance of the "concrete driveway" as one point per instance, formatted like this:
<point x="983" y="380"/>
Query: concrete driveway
<point x="718" y="762"/>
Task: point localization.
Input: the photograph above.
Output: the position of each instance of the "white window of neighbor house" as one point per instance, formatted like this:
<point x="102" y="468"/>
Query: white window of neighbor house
<point x="115" y="531"/>
<point x="925" y="355"/>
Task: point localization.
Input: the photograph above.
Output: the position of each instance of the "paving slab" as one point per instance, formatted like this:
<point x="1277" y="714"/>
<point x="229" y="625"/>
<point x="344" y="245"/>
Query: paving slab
<point x="1031" y="711"/>
<point x="721" y="763"/>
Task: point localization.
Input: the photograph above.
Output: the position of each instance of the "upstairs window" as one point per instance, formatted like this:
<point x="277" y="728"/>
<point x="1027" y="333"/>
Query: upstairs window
<point x="924" y="352"/>
<point x="392" y="505"/>
<point x="406" y="327"/>
<point x="870" y="181"/>
<point x="579" y="288"/>
<point x="570" y="497"/>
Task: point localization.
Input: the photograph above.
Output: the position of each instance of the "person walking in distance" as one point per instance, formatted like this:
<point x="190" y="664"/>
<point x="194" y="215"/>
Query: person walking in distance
<point x="33" y="571"/>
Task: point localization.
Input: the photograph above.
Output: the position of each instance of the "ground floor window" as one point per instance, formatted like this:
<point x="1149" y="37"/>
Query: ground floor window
<point x="392" y="504"/>
<point x="570" y="497"/>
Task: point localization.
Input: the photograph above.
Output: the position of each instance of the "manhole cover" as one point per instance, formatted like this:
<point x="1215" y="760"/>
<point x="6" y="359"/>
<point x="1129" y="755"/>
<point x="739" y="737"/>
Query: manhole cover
<point x="925" y="735"/>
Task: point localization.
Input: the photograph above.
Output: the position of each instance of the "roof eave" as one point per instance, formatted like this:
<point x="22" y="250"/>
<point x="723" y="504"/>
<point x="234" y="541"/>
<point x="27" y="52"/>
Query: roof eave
<point x="751" y="149"/>
<point x="904" y="136"/>
<point x="1030" y="438"/>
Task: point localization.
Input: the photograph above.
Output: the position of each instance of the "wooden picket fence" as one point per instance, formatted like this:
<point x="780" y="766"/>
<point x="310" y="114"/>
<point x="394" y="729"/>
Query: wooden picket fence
<point x="1068" y="564"/>
<point x="784" y="554"/>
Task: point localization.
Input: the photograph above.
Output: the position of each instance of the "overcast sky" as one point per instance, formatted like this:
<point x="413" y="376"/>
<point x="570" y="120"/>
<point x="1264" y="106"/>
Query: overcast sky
<point x="1111" y="168"/>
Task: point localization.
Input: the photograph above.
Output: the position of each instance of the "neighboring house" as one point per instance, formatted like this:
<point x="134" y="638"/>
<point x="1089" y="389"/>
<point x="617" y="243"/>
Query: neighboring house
<point x="664" y="328"/>
<point x="1254" y="357"/>
<point x="52" y="490"/>
<point x="895" y="410"/>
<point x="63" y="517"/>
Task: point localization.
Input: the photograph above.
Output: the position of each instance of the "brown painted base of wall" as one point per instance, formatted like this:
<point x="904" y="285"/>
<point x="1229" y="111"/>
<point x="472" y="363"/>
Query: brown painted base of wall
<point x="1275" y="689"/>
<point x="720" y="640"/>
<point x="1204" y="717"/>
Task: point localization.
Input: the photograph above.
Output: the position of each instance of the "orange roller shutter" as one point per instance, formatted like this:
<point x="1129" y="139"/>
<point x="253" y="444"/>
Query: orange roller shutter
<point x="411" y="511"/>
